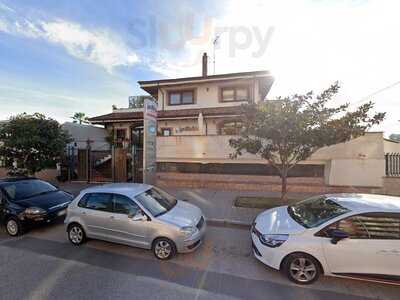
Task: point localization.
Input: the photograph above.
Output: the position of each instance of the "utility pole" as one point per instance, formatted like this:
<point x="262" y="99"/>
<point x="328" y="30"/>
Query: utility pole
<point x="215" y="44"/>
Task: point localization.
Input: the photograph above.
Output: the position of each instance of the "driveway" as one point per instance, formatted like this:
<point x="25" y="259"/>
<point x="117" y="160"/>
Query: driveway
<point x="43" y="265"/>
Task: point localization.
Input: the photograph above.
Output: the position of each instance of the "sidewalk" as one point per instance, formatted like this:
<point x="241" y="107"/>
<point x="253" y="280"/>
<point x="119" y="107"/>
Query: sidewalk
<point x="217" y="205"/>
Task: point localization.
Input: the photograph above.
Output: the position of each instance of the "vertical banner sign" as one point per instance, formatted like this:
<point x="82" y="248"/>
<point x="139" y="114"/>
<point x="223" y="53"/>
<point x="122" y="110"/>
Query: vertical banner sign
<point x="149" y="141"/>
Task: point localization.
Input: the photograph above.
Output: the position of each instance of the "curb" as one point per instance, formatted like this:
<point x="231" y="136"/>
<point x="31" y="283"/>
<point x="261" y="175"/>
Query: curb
<point x="228" y="223"/>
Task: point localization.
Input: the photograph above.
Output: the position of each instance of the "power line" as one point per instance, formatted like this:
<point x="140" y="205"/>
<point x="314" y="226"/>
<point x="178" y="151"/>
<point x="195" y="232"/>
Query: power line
<point x="366" y="98"/>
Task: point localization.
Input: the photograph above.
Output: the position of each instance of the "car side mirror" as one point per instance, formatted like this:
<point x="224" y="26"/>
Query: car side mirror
<point x="336" y="235"/>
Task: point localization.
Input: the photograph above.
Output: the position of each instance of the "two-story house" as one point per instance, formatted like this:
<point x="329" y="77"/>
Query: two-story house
<point x="196" y="118"/>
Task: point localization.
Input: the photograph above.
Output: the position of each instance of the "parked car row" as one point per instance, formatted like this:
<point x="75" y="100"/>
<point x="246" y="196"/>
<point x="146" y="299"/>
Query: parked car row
<point x="355" y="235"/>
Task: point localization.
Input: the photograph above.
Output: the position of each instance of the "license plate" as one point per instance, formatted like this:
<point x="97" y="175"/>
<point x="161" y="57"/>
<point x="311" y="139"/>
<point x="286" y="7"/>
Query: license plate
<point x="62" y="212"/>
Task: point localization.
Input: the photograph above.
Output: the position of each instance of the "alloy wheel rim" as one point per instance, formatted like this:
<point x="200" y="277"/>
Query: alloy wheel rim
<point x="163" y="249"/>
<point x="12" y="227"/>
<point x="76" y="235"/>
<point x="303" y="269"/>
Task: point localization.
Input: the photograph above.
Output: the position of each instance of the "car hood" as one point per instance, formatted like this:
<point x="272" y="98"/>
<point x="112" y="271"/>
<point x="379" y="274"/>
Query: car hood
<point x="48" y="201"/>
<point x="182" y="214"/>
<point x="277" y="221"/>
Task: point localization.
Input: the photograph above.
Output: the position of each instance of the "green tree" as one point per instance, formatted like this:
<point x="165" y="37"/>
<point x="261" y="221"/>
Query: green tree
<point x="289" y="130"/>
<point x="34" y="142"/>
<point x="80" y="117"/>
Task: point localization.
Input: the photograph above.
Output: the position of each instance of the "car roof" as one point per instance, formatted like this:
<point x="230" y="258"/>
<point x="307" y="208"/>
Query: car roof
<point x="126" y="189"/>
<point x="15" y="179"/>
<point x="367" y="202"/>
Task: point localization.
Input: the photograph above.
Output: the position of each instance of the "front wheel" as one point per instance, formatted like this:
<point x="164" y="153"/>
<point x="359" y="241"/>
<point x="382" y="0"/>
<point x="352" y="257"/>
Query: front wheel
<point x="164" y="248"/>
<point x="301" y="268"/>
<point x="14" y="226"/>
<point x="76" y="234"/>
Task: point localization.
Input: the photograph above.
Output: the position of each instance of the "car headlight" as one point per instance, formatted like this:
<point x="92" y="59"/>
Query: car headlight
<point x="34" y="211"/>
<point x="188" y="231"/>
<point x="273" y="240"/>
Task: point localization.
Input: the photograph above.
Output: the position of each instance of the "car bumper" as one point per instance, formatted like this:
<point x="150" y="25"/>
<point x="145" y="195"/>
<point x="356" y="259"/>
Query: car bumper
<point x="194" y="242"/>
<point x="271" y="257"/>
<point x="46" y="218"/>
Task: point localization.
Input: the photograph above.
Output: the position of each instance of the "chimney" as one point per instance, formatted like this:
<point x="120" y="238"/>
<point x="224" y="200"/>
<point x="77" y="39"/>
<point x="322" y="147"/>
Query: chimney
<point x="204" y="64"/>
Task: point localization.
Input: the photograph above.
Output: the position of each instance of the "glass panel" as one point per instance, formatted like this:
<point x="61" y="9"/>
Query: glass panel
<point x="99" y="201"/>
<point x="124" y="205"/>
<point x="315" y="211"/>
<point x="353" y="227"/>
<point x="187" y="97"/>
<point x="23" y="189"/>
<point x="156" y="201"/>
<point x="228" y="95"/>
<point x="175" y="98"/>
<point x="382" y="227"/>
<point x="242" y="94"/>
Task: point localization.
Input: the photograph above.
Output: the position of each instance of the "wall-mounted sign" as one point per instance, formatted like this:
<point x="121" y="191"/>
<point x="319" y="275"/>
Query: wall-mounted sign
<point x="149" y="141"/>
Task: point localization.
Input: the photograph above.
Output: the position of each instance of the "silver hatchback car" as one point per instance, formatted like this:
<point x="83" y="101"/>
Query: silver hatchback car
<point x="138" y="215"/>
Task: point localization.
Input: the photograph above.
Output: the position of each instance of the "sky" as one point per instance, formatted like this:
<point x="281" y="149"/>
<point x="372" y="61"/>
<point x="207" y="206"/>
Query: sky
<point x="61" y="57"/>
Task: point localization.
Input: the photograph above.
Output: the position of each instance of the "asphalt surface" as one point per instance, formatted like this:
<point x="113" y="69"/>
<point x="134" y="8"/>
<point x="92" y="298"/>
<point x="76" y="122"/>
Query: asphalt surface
<point x="43" y="265"/>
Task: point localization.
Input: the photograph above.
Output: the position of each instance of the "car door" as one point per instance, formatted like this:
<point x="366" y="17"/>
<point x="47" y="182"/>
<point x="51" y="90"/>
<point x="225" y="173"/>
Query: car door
<point x="96" y="213"/>
<point x="124" y="226"/>
<point x="372" y="247"/>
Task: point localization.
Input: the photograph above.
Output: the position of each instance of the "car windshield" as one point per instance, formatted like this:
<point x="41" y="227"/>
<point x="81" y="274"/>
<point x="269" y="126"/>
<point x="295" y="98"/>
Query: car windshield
<point x="315" y="211"/>
<point x="156" y="201"/>
<point x="23" y="189"/>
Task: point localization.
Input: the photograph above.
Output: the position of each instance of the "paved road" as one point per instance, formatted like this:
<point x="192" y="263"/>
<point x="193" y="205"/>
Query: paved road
<point x="44" y="265"/>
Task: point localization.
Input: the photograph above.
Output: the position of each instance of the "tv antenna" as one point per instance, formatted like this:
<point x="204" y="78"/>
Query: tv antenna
<point x="215" y="41"/>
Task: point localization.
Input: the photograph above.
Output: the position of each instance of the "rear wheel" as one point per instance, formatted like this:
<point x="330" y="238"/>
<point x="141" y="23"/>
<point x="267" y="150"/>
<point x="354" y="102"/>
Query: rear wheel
<point x="164" y="248"/>
<point x="76" y="234"/>
<point x="14" y="226"/>
<point x="301" y="268"/>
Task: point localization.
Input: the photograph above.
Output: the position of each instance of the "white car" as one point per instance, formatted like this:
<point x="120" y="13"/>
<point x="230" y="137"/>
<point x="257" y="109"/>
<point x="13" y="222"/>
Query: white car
<point x="351" y="235"/>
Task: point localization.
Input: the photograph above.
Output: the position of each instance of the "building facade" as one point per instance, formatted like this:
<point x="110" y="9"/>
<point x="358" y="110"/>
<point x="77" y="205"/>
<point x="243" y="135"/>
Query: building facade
<point x="198" y="115"/>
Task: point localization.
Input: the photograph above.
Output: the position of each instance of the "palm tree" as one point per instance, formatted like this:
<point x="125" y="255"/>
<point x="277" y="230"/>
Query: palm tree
<point x="80" y="117"/>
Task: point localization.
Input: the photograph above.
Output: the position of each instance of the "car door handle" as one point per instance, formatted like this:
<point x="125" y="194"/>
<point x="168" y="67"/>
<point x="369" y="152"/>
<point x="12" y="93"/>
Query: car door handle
<point x="112" y="217"/>
<point x="83" y="213"/>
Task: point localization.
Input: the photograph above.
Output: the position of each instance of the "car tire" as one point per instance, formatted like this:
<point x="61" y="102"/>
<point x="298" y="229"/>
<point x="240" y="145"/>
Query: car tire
<point x="14" y="226"/>
<point x="164" y="249"/>
<point x="76" y="234"/>
<point x="301" y="268"/>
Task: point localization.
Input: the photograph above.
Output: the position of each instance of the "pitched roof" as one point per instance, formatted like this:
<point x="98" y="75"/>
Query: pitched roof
<point x="178" y="113"/>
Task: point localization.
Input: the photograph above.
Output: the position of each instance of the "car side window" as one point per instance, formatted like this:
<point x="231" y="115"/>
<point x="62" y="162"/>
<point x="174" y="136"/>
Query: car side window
<point x="382" y="226"/>
<point x="353" y="226"/>
<point x="98" y="201"/>
<point x="124" y="205"/>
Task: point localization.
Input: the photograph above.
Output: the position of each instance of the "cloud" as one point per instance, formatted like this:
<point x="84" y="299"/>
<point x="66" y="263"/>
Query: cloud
<point x="99" y="46"/>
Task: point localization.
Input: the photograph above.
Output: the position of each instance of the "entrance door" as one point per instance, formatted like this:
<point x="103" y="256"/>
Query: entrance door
<point x="137" y="151"/>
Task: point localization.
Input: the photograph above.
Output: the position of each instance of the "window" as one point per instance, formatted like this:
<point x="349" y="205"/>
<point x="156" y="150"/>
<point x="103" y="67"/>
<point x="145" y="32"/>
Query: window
<point x="315" y="211"/>
<point x="22" y="189"/>
<point x="382" y="226"/>
<point x="156" y="201"/>
<point x="353" y="226"/>
<point x="181" y="97"/>
<point x="97" y="201"/>
<point x="377" y="226"/>
<point x="230" y="127"/>
<point x="124" y="205"/>
<point x="229" y="94"/>
<point x="166" y="131"/>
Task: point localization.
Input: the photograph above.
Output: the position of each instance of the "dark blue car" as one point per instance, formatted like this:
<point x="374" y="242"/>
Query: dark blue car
<point x="26" y="201"/>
